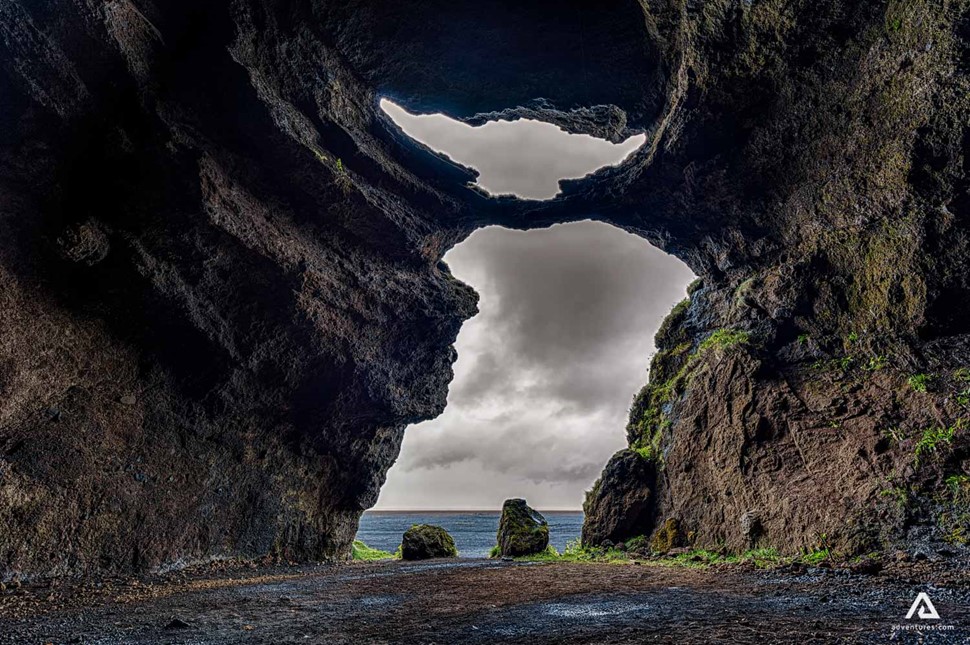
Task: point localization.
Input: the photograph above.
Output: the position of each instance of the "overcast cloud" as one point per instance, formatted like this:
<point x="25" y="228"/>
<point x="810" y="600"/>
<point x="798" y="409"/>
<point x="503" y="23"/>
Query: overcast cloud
<point x="546" y="372"/>
<point x="524" y="157"/>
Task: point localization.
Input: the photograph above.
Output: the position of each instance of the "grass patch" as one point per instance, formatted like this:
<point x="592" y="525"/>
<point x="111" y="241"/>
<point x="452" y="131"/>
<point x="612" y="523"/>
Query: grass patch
<point x="920" y="382"/>
<point x="724" y="338"/>
<point x="762" y="558"/>
<point x="816" y="557"/>
<point x="364" y="553"/>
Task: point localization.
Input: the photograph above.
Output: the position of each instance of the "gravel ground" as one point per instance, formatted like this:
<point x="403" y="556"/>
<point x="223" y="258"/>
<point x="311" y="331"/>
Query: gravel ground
<point x="480" y="601"/>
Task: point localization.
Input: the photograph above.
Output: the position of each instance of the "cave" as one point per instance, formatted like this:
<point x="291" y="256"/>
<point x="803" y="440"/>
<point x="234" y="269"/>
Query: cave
<point x="222" y="295"/>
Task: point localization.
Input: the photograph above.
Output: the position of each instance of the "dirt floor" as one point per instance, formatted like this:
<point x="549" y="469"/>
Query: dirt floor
<point x="479" y="601"/>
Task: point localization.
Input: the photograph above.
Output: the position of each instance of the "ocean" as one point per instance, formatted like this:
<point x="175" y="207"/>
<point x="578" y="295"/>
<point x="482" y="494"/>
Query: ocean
<point x="473" y="531"/>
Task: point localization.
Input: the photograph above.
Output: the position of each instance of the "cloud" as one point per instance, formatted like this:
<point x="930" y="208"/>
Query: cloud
<point x="524" y="157"/>
<point x="546" y="371"/>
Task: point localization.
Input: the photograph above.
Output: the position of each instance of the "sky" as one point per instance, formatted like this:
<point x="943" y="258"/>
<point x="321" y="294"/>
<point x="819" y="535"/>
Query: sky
<point x="547" y="370"/>
<point x="525" y="158"/>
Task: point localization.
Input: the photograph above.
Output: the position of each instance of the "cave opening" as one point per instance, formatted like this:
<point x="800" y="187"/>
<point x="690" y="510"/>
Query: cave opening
<point x="547" y="369"/>
<point x="544" y="379"/>
<point x="522" y="157"/>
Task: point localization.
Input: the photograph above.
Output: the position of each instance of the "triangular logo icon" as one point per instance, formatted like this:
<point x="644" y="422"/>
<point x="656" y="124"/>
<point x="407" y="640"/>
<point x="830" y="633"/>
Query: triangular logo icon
<point x="923" y="607"/>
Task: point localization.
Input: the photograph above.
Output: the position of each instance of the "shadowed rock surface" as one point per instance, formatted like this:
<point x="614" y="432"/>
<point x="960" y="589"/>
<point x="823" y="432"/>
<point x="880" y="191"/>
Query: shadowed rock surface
<point x="621" y="504"/>
<point x="522" y="530"/>
<point x="222" y="296"/>
<point x="424" y="541"/>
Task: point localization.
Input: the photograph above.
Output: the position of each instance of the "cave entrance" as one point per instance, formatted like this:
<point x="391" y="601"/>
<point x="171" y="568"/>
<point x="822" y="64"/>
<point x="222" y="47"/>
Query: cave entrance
<point x="547" y="370"/>
<point x="544" y="379"/>
<point x="521" y="157"/>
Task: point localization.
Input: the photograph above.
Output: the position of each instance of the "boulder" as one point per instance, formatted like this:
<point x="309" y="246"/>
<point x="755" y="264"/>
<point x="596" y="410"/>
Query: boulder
<point x="620" y="506"/>
<point x="522" y="530"/>
<point x="425" y="541"/>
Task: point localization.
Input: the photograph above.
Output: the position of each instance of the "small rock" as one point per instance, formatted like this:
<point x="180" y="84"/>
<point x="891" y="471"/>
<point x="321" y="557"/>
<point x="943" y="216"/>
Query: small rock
<point x="620" y="546"/>
<point x="607" y="544"/>
<point x="866" y="566"/>
<point x="177" y="623"/>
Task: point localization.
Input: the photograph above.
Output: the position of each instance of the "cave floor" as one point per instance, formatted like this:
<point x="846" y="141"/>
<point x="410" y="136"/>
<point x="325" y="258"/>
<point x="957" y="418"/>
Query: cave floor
<point x="479" y="601"/>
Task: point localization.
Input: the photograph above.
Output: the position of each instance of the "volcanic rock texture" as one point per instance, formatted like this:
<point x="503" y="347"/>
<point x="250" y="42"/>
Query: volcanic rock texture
<point x="222" y="296"/>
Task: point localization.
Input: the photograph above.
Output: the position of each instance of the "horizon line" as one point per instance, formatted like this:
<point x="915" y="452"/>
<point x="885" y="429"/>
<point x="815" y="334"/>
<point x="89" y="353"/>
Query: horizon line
<point x="464" y="510"/>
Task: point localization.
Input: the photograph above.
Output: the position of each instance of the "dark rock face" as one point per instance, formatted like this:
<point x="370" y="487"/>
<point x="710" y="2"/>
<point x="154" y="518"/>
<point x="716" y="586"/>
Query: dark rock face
<point x="424" y="541"/>
<point x="522" y="530"/>
<point x="621" y="503"/>
<point x="221" y="295"/>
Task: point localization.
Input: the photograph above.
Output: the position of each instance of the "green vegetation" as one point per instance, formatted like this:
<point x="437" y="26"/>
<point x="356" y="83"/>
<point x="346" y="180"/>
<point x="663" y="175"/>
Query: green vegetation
<point x="962" y="374"/>
<point x="803" y="339"/>
<point x="762" y="558"/>
<point x="958" y="485"/>
<point x="667" y="537"/>
<point x="670" y="373"/>
<point x="723" y="339"/>
<point x="920" y="382"/>
<point x="816" y="556"/>
<point x="898" y="494"/>
<point x="963" y="397"/>
<point x="935" y="438"/>
<point x="360" y="551"/>
<point x="894" y="434"/>
<point x="876" y="363"/>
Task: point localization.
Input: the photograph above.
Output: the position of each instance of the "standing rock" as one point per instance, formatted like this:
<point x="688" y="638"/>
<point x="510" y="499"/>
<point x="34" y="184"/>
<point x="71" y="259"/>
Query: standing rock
<point x="522" y="530"/>
<point x="620" y="506"/>
<point x="424" y="541"/>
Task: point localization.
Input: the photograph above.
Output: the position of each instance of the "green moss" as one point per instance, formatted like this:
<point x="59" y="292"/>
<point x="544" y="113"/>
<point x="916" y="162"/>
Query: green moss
<point x="362" y="552"/>
<point x="667" y="536"/>
<point x="495" y="551"/>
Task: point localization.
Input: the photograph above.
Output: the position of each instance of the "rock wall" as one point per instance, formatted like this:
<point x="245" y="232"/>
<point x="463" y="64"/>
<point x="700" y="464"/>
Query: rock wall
<point x="223" y="296"/>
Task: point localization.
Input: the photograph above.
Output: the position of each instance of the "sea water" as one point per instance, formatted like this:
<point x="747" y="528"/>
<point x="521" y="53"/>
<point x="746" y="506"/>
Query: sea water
<point x="473" y="531"/>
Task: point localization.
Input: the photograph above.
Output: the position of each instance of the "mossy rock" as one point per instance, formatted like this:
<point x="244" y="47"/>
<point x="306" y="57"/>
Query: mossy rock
<point x="667" y="537"/>
<point x="522" y="530"/>
<point x="425" y="541"/>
